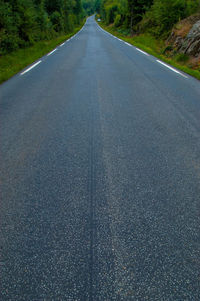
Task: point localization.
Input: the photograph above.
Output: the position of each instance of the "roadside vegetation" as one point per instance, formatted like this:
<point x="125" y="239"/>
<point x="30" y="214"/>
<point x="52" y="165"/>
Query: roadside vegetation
<point x="15" y="61"/>
<point x="31" y="28"/>
<point x="153" y="16"/>
<point x="148" y="24"/>
<point x="91" y="6"/>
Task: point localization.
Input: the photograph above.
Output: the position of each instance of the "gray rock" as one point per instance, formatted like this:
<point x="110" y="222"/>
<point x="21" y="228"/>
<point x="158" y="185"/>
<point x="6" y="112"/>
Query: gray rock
<point x="191" y="44"/>
<point x="178" y="42"/>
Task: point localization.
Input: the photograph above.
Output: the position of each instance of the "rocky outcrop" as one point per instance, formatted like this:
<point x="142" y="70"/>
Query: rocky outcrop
<point x="191" y="44"/>
<point x="186" y="36"/>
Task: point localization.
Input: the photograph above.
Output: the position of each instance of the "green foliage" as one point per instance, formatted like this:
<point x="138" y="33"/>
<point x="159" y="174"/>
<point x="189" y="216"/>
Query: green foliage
<point x="97" y="6"/>
<point x="70" y="22"/>
<point x="111" y="8"/>
<point x="181" y="58"/>
<point x="13" y="62"/>
<point x="57" y="21"/>
<point x="154" y="16"/>
<point x="117" y="22"/>
<point x="192" y="6"/>
<point x="24" y="22"/>
<point x="163" y="15"/>
<point x="9" y="39"/>
<point x="91" y="6"/>
<point x="88" y="6"/>
<point x="136" y="9"/>
<point x="111" y="12"/>
<point x="166" y="13"/>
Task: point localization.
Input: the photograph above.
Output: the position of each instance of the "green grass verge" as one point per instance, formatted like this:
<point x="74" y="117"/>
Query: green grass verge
<point x="154" y="47"/>
<point x="12" y="63"/>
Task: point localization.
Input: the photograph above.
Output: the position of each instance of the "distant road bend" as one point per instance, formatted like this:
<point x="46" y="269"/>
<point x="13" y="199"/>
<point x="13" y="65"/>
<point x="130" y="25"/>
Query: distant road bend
<point x="100" y="176"/>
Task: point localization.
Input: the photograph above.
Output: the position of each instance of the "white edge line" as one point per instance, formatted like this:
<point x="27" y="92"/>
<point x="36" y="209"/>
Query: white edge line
<point x="31" y="67"/>
<point x="51" y="52"/>
<point x="171" y="68"/>
<point x="142" y="51"/>
<point x="128" y="44"/>
<point x="148" y="55"/>
<point x="34" y="65"/>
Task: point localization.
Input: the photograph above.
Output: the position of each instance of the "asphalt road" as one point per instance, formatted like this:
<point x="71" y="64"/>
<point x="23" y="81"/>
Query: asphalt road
<point x="100" y="176"/>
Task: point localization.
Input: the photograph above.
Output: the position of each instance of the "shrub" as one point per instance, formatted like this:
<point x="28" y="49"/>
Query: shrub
<point x="111" y="11"/>
<point x="166" y="13"/>
<point x="117" y="20"/>
<point x="181" y="58"/>
<point x="56" y="20"/>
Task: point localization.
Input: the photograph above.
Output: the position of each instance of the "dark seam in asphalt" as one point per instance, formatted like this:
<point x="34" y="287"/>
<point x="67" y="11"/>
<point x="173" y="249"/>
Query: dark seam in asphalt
<point x="91" y="198"/>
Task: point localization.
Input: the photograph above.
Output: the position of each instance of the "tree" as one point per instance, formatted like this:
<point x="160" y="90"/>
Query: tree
<point x="136" y="10"/>
<point x="22" y="22"/>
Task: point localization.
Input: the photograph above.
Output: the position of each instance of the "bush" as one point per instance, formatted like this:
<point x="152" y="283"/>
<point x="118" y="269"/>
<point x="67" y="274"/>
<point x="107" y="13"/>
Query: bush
<point x="117" y="20"/>
<point x="111" y="11"/>
<point x="70" y="22"/>
<point x="181" y="58"/>
<point x="23" y="22"/>
<point x="166" y="13"/>
<point x="9" y="42"/>
<point x="192" y="7"/>
<point x="167" y="49"/>
<point x="56" y="20"/>
<point x="9" y="38"/>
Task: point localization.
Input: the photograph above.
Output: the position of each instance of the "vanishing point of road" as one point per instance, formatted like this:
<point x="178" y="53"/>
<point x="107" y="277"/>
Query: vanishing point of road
<point x="100" y="176"/>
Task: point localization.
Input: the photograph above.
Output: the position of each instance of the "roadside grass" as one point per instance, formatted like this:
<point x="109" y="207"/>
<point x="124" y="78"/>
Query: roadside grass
<point x="156" y="48"/>
<point x="12" y="63"/>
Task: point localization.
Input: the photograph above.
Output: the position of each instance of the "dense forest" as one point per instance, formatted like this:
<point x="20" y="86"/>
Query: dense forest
<point x="91" y="6"/>
<point x="155" y="16"/>
<point x="24" y="22"/>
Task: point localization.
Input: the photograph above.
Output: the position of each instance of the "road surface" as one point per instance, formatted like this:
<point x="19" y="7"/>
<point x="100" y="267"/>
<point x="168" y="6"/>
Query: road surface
<point x="100" y="176"/>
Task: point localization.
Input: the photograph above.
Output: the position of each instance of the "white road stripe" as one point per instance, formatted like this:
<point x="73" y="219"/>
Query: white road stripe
<point x="148" y="55"/>
<point x="127" y="44"/>
<point x="47" y="55"/>
<point x="142" y="51"/>
<point x="31" y="67"/>
<point x="51" y="52"/>
<point x="169" y="67"/>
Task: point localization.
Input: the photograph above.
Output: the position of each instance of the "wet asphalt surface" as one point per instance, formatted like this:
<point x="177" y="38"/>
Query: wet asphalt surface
<point x="100" y="177"/>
